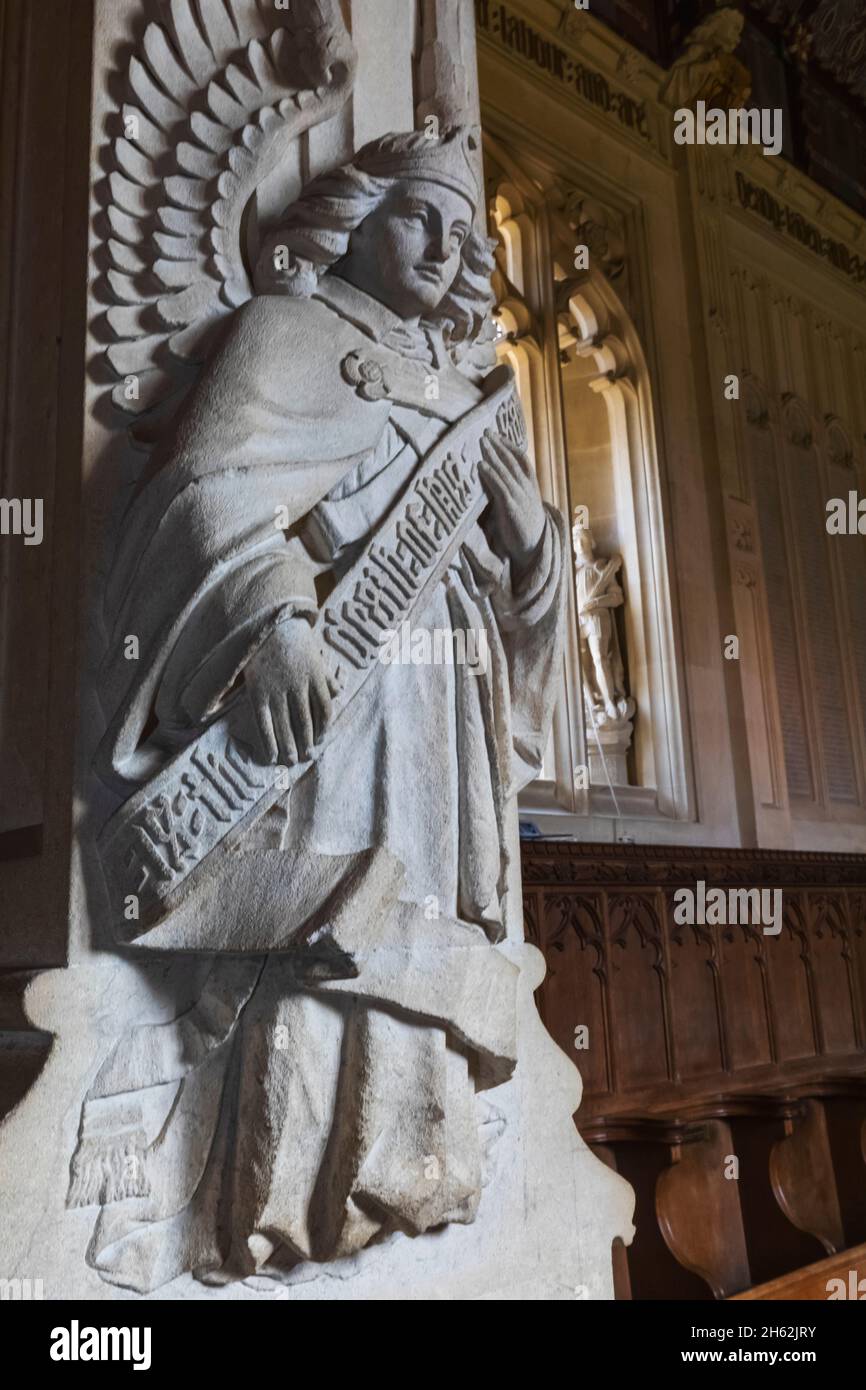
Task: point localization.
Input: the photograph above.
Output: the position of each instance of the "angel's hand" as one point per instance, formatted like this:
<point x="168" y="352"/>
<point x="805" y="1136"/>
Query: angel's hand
<point x="518" y="511"/>
<point x="290" y="693"/>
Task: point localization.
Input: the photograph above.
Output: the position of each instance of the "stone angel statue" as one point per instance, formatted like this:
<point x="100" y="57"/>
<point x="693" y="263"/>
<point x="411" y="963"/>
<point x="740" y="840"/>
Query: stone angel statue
<point x="326" y="836"/>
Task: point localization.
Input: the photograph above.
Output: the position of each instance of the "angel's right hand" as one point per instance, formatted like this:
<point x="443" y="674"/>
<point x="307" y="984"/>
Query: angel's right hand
<point x="290" y="692"/>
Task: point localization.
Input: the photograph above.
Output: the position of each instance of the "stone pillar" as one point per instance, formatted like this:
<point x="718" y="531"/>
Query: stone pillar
<point x="123" y="1016"/>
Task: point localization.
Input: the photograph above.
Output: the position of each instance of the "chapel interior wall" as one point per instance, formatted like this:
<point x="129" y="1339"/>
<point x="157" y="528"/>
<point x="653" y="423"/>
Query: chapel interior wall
<point x="712" y="289"/>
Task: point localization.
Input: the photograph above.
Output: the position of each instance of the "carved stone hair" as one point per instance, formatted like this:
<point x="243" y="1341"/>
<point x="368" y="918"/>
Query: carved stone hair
<point x="314" y="233"/>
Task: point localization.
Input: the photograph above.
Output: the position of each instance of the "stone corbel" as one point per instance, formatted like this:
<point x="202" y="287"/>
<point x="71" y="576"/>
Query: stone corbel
<point x="756" y="402"/>
<point x="796" y="421"/>
<point x="840" y="449"/>
<point x="600" y="229"/>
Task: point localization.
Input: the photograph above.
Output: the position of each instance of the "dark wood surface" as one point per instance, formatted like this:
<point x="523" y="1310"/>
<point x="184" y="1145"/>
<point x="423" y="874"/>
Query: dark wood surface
<point x="676" y="1013"/>
<point x="709" y="1044"/>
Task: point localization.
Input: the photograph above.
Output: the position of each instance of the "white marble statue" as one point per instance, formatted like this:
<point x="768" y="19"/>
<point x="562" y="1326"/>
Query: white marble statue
<point x="325" y="834"/>
<point x="598" y="595"/>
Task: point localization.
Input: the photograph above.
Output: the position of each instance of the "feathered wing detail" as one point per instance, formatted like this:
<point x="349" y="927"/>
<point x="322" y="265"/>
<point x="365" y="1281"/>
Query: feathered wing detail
<point x="217" y="96"/>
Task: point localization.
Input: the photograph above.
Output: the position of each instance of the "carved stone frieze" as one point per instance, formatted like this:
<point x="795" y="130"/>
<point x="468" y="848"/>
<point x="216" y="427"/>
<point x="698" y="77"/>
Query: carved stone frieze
<point x="579" y="864"/>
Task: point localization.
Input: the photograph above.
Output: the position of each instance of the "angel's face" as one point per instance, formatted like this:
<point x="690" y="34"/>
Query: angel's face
<point x="408" y="252"/>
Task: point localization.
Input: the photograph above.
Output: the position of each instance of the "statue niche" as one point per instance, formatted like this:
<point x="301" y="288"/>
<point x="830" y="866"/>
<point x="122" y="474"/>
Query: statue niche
<point x="608" y="707"/>
<point x="326" y="832"/>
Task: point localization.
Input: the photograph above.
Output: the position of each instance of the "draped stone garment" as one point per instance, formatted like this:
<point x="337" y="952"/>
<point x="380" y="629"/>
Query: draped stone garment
<point x="300" y="1109"/>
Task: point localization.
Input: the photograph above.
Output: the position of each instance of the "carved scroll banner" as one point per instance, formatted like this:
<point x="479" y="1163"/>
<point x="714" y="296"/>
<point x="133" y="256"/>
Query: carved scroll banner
<point x="205" y="799"/>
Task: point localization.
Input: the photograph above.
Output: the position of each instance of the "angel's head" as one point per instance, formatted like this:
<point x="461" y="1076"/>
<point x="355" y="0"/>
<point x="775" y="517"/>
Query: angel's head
<point x="399" y="223"/>
<point x="409" y="250"/>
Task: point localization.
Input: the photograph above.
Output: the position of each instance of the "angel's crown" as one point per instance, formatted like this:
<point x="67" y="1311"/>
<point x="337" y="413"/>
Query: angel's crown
<point x="449" y="160"/>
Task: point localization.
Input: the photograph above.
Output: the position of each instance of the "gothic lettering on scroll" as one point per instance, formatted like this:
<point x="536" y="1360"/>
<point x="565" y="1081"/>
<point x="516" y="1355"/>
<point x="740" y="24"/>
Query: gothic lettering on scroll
<point x="396" y="571"/>
<point x="170" y="833"/>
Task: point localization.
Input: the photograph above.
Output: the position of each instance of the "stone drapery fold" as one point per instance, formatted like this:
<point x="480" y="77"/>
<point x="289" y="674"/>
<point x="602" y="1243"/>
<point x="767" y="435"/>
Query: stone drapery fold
<point x="322" y="1091"/>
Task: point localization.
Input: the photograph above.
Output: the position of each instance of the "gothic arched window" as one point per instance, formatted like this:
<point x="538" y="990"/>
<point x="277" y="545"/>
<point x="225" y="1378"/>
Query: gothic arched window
<point x="618" y="743"/>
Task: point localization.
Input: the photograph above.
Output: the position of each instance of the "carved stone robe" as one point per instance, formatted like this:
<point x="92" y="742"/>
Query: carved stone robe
<point x="298" y="1108"/>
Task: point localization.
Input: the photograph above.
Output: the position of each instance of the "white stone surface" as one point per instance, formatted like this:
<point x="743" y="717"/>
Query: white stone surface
<point x="546" y="1220"/>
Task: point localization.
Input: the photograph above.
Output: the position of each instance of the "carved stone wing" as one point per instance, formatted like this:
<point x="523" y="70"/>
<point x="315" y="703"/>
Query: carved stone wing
<point x="216" y="97"/>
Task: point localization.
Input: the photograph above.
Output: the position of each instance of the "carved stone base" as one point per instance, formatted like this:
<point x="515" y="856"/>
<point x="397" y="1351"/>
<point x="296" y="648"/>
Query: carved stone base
<point x="547" y="1218"/>
<point x="607" y="746"/>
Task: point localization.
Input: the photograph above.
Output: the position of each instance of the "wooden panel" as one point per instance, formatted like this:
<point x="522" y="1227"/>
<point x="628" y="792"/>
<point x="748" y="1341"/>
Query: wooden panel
<point x="789" y="979"/>
<point x="845" y="1118"/>
<point x="575" y="989"/>
<point x="638" y="999"/>
<point x="718" y="1041"/>
<point x="747" y="1025"/>
<point x="695" y="1001"/>
<point x="689" y="1010"/>
<point x="830" y="950"/>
